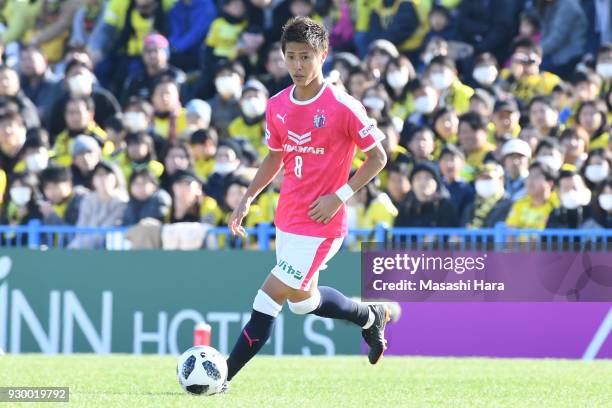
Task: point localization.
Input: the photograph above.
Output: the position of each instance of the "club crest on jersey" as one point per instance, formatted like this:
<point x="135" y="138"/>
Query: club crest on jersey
<point x="319" y="119"/>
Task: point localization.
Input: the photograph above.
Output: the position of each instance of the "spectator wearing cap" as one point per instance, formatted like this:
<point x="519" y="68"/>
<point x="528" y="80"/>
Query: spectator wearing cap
<point x="575" y="199"/>
<point x="592" y="116"/>
<point x="250" y="125"/>
<point x="20" y="207"/>
<point x="227" y="162"/>
<point x="492" y="204"/>
<point x="276" y="78"/>
<point x="473" y="141"/>
<point x="80" y="82"/>
<point x="443" y="75"/>
<point x="11" y="93"/>
<point x="147" y="200"/>
<point x="12" y="140"/>
<point x="544" y="117"/>
<point x="203" y="143"/>
<point x="225" y="105"/>
<point x="515" y="154"/>
<point x="523" y="78"/>
<point x="170" y="117"/>
<point x="198" y="117"/>
<point x="103" y="206"/>
<point x="533" y="210"/>
<point x="155" y="55"/>
<point x="575" y="144"/>
<point x="451" y="163"/>
<point x="86" y="154"/>
<point x="188" y="23"/>
<point x="37" y="81"/>
<point x="79" y="117"/>
<point x="178" y="156"/>
<point x="427" y="204"/>
<point x="62" y="200"/>
<point x="506" y="118"/>
<point x="190" y="203"/>
<point x="139" y="154"/>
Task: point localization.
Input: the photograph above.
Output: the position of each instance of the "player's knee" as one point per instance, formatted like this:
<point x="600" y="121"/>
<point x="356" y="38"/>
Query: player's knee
<point x="265" y="304"/>
<point x="305" y="306"/>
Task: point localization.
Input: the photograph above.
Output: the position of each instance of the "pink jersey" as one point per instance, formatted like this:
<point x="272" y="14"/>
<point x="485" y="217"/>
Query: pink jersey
<point x="317" y="138"/>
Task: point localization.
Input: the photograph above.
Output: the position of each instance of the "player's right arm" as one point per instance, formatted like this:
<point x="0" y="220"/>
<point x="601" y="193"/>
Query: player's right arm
<point x="266" y="173"/>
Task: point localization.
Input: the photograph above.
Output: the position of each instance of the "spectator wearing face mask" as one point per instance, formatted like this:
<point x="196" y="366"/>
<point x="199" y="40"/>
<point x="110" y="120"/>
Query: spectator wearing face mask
<point x="80" y="82"/>
<point x="473" y="141"/>
<point x="11" y="92"/>
<point x="86" y="154"/>
<point x="377" y="103"/>
<point x="575" y="200"/>
<point x="442" y="74"/>
<point x="592" y="116"/>
<point x="62" y="200"/>
<point x="533" y="210"/>
<point x="549" y="152"/>
<point x="155" y="56"/>
<point x="170" y="117"/>
<point x="515" y="155"/>
<point x="225" y="105"/>
<point x="427" y="204"/>
<point x="147" y="200"/>
<point x="204" y="146"/>
<point x="395" y="77"/>
<point x="485" y="74"/>
<point x="35" y="152"/>
<point x="250" y="125"/>
<point x="21" y="206"/>
<point x="451" y="163"/>
<point x="596" y="168"/>
<point x="138" y="117"/>
<point x="227" y="161"/>
<point x="492" y="204"/>
<point x="425" y="100"/>
<point x="79" y="116"/>
<point x="602" y="206"/>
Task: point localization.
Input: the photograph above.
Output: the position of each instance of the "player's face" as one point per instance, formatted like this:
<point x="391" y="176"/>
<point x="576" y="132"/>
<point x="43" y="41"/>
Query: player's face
<point x="303" y="63"/>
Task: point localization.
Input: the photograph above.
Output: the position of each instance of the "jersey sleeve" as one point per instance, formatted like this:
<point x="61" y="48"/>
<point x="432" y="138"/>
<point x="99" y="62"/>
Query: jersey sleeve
<point x="273" y="138"/>
<point x="361" y="128"/>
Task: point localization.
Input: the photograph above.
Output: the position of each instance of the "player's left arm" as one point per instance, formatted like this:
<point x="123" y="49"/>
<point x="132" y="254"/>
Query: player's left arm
<point x="325" y="207"/>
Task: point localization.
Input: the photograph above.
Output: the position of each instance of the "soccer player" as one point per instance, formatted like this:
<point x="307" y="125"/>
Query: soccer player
<point x="311" y="129"/>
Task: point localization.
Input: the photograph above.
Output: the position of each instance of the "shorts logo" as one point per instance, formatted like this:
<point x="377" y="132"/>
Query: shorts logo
<point x="366" y="130"/>
<point x="290" y="270"/>
<point x="299" y="139"/>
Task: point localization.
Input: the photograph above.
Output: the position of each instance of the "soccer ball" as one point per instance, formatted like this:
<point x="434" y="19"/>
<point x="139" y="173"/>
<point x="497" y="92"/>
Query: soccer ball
<point x="201" y="370"/>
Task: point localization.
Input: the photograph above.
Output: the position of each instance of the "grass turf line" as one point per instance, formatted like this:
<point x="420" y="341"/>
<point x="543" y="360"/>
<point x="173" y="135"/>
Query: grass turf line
<point x="150" y="381"/>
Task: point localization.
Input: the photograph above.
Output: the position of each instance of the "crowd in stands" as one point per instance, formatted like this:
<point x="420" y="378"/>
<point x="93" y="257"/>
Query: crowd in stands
<point x="151" y="112"/>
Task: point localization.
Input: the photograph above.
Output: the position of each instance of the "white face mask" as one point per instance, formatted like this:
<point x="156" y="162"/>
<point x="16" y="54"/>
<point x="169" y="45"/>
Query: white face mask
<point x="597" y="172"/>
<point x="605" y="202"/>
<point x="398" y="79"/>
<point x="424" y="104"/>
<point x="135" y="121"/>
<point x="80" y="85"/>
<point x="604" y="69"/>
<point x="573" y="199"/>
<point x="441" y="80"/>
<point x="486" y="188"/>
<point x="374" y="103"/>
<point x="253" y="107"/>
<point x="225" y="168"/>
<point x="550" y="161"/>
<point x="228" y="86"/>
<point x="20" y="195"/>
<point x="37" y="162"/>
<point x="485" y="74"/>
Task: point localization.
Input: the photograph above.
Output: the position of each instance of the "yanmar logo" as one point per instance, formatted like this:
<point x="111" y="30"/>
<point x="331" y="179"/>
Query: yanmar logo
<point x="303" y="149"/>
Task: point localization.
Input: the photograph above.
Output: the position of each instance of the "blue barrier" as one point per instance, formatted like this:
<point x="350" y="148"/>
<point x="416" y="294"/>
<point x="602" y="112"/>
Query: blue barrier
<point x="35" y="235"/>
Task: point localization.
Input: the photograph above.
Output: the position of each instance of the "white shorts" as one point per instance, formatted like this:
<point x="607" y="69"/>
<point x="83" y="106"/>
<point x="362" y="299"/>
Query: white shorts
<point x="300" y="257"/>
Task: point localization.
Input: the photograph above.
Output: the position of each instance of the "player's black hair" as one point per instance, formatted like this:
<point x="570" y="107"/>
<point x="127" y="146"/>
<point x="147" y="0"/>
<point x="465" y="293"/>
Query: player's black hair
<point x="306" y="31"/>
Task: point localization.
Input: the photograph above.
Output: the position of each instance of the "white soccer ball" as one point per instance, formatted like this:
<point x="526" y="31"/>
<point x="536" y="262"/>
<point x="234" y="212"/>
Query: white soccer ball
<point x="201" y="370"/>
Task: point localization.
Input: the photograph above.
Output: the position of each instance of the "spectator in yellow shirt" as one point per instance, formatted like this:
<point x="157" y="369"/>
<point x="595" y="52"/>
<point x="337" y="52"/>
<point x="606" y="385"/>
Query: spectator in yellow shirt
<point x="533" y="210"/>
<point x="170" y="117"/>
<point x="398" y="185"/>
<point x="203" y="143"/>
<point x="443" y="76"/>
<point x="224" y="34"/>
<point x="592" y="116"/>
<point x="473" y="140"/>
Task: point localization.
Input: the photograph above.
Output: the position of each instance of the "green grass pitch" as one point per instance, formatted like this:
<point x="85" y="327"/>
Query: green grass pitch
<point x="344" y="382"/>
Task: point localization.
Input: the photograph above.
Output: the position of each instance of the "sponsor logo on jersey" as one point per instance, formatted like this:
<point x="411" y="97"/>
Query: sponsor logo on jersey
<point x="303" y="149"/>
<point x="281" y="118"/>
<point x="366" y="130"/>
<point x="299" y="139"/>
<point x="290" y="270"/>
